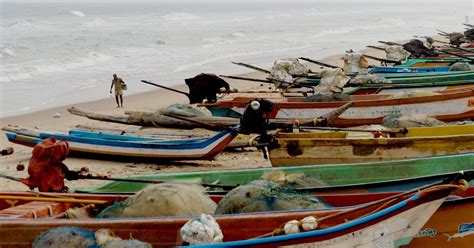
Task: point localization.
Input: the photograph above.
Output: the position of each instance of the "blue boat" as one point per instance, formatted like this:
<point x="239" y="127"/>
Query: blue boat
<point x="131" y="147"/>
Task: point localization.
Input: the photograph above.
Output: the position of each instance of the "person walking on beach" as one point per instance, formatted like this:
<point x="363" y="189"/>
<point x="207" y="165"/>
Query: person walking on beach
<point x="118" y="85"/>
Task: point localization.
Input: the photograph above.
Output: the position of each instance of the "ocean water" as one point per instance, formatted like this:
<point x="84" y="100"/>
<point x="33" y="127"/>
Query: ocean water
<point x="60" y="53"/>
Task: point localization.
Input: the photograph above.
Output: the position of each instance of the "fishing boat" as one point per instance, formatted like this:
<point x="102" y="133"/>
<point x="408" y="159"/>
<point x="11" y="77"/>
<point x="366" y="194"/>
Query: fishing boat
<point x="405" y="69"/>
<point x="388" y="89"/>
<point x="309" y="148"/>
<point x="26" y="215"/>
<point x="430" y="62"/>
<point x="409" y="78"/>
<point x="90" y="144"/>
<point x="446" y="106"/>
<point x="388" y="176"/>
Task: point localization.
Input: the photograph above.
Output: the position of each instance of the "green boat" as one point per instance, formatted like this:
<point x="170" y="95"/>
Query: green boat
<point x="361" y="177"/>
<point x="428" y="62"/>
<point x="422" y="78"/>
<point x="392" y="88"/>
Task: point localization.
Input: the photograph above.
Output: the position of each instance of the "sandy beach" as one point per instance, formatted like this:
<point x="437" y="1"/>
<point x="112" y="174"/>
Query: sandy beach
<point x="148" y="101"/>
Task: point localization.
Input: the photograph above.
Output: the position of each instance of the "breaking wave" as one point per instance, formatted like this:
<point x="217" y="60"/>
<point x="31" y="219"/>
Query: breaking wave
<point x="23" y="24"/>
<point x="94" y="22"/>
<point x="7" y="52"/>
<point x="180" y="16"/>
<point x="28" y="71"/>
<point x="77" y="13"/>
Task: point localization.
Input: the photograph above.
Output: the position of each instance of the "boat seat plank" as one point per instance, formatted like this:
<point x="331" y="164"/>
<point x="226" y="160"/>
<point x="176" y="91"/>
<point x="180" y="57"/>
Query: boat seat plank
<point x="34" y="210"/>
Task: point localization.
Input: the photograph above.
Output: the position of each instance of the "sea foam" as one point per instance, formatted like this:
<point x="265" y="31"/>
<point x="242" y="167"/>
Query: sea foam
<point x="77" y="13"/>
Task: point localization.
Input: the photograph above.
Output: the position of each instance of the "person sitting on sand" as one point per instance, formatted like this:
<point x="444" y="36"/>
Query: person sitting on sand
<point x="118" y="84"/>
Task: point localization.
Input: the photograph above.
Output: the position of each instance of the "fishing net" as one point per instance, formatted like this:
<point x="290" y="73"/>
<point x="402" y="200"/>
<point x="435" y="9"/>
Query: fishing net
<point x="165" y="199"/>
<point x="291" y="180"/>
<point x="201" y="230"/>
<point x="460" y="66"/>
<point x="370" y="79"/>
<point x="355" y="63"/>
<point x="396" y="53"/>
<point x="106" y="239"/>
<point x="80" y="212"/>
<point x="260" y="196"/>
<point x="332" y="81"/>
<point x="394" y="121"/>
<point x="71" y="237"/>
<point x="417" y="93"/>
<point x="286" y="69"/>
<point x="185" y="110"/>
<point x="129" y="243"/>
<point x="334" y="97"/>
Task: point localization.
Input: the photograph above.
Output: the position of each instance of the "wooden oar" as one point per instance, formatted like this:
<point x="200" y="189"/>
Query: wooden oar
<point x="376" y="47"/>
<point x="17" y="179"/>
<point x="252" y="67"/>
<point x="463" y="49"/>
<point x="265" y="91"/>
<point x="457" y="55"/>
<point x="443" y="33"/>
<point x="382" y="60"/>
<point x="75" y="175"/>
<point x="468" y="25"/>
<point x="320" y="63"/>
<point x="52" y="199"/>
<point x="166" y="88"/>
<point x="131" y="180"/>
<point x="390" y="43"/>
<point x="390" y="131"/>
<point x="248" y="79"/>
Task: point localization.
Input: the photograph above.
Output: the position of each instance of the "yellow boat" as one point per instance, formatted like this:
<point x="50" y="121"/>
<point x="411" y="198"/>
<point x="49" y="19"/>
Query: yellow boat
<point x="323" y="147"/>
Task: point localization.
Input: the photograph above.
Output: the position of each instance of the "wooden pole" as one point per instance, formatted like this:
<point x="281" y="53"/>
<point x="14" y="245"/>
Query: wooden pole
<point x="166" y="88"/>
<point x="375" y="47"/>
<point x="382" y="60"/>
<point x="389" y="43"/>
<point x="457" y="55"/>
<point x="319" y="63"/>
<point x="252" y="67"/>
<point x="248" y="79"/>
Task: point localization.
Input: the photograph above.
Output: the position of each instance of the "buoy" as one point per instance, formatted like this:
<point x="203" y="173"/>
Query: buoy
<point x="309" y="223"/>
<point x="292" y="226"/>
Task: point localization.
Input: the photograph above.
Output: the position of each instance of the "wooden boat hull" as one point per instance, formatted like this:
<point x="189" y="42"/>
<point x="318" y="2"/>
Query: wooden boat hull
<point x="320" y="148"/>
<point x="450" y="226"/>
<point x="135" y="149"/>
<point x="162" y="231"/>
<point x="385" y="176"/>
<point x="452" y="106"/>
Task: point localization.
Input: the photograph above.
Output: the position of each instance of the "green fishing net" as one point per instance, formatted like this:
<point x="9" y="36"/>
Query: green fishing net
<point x="259" y="196"/>
<point x="292" y="180"/>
